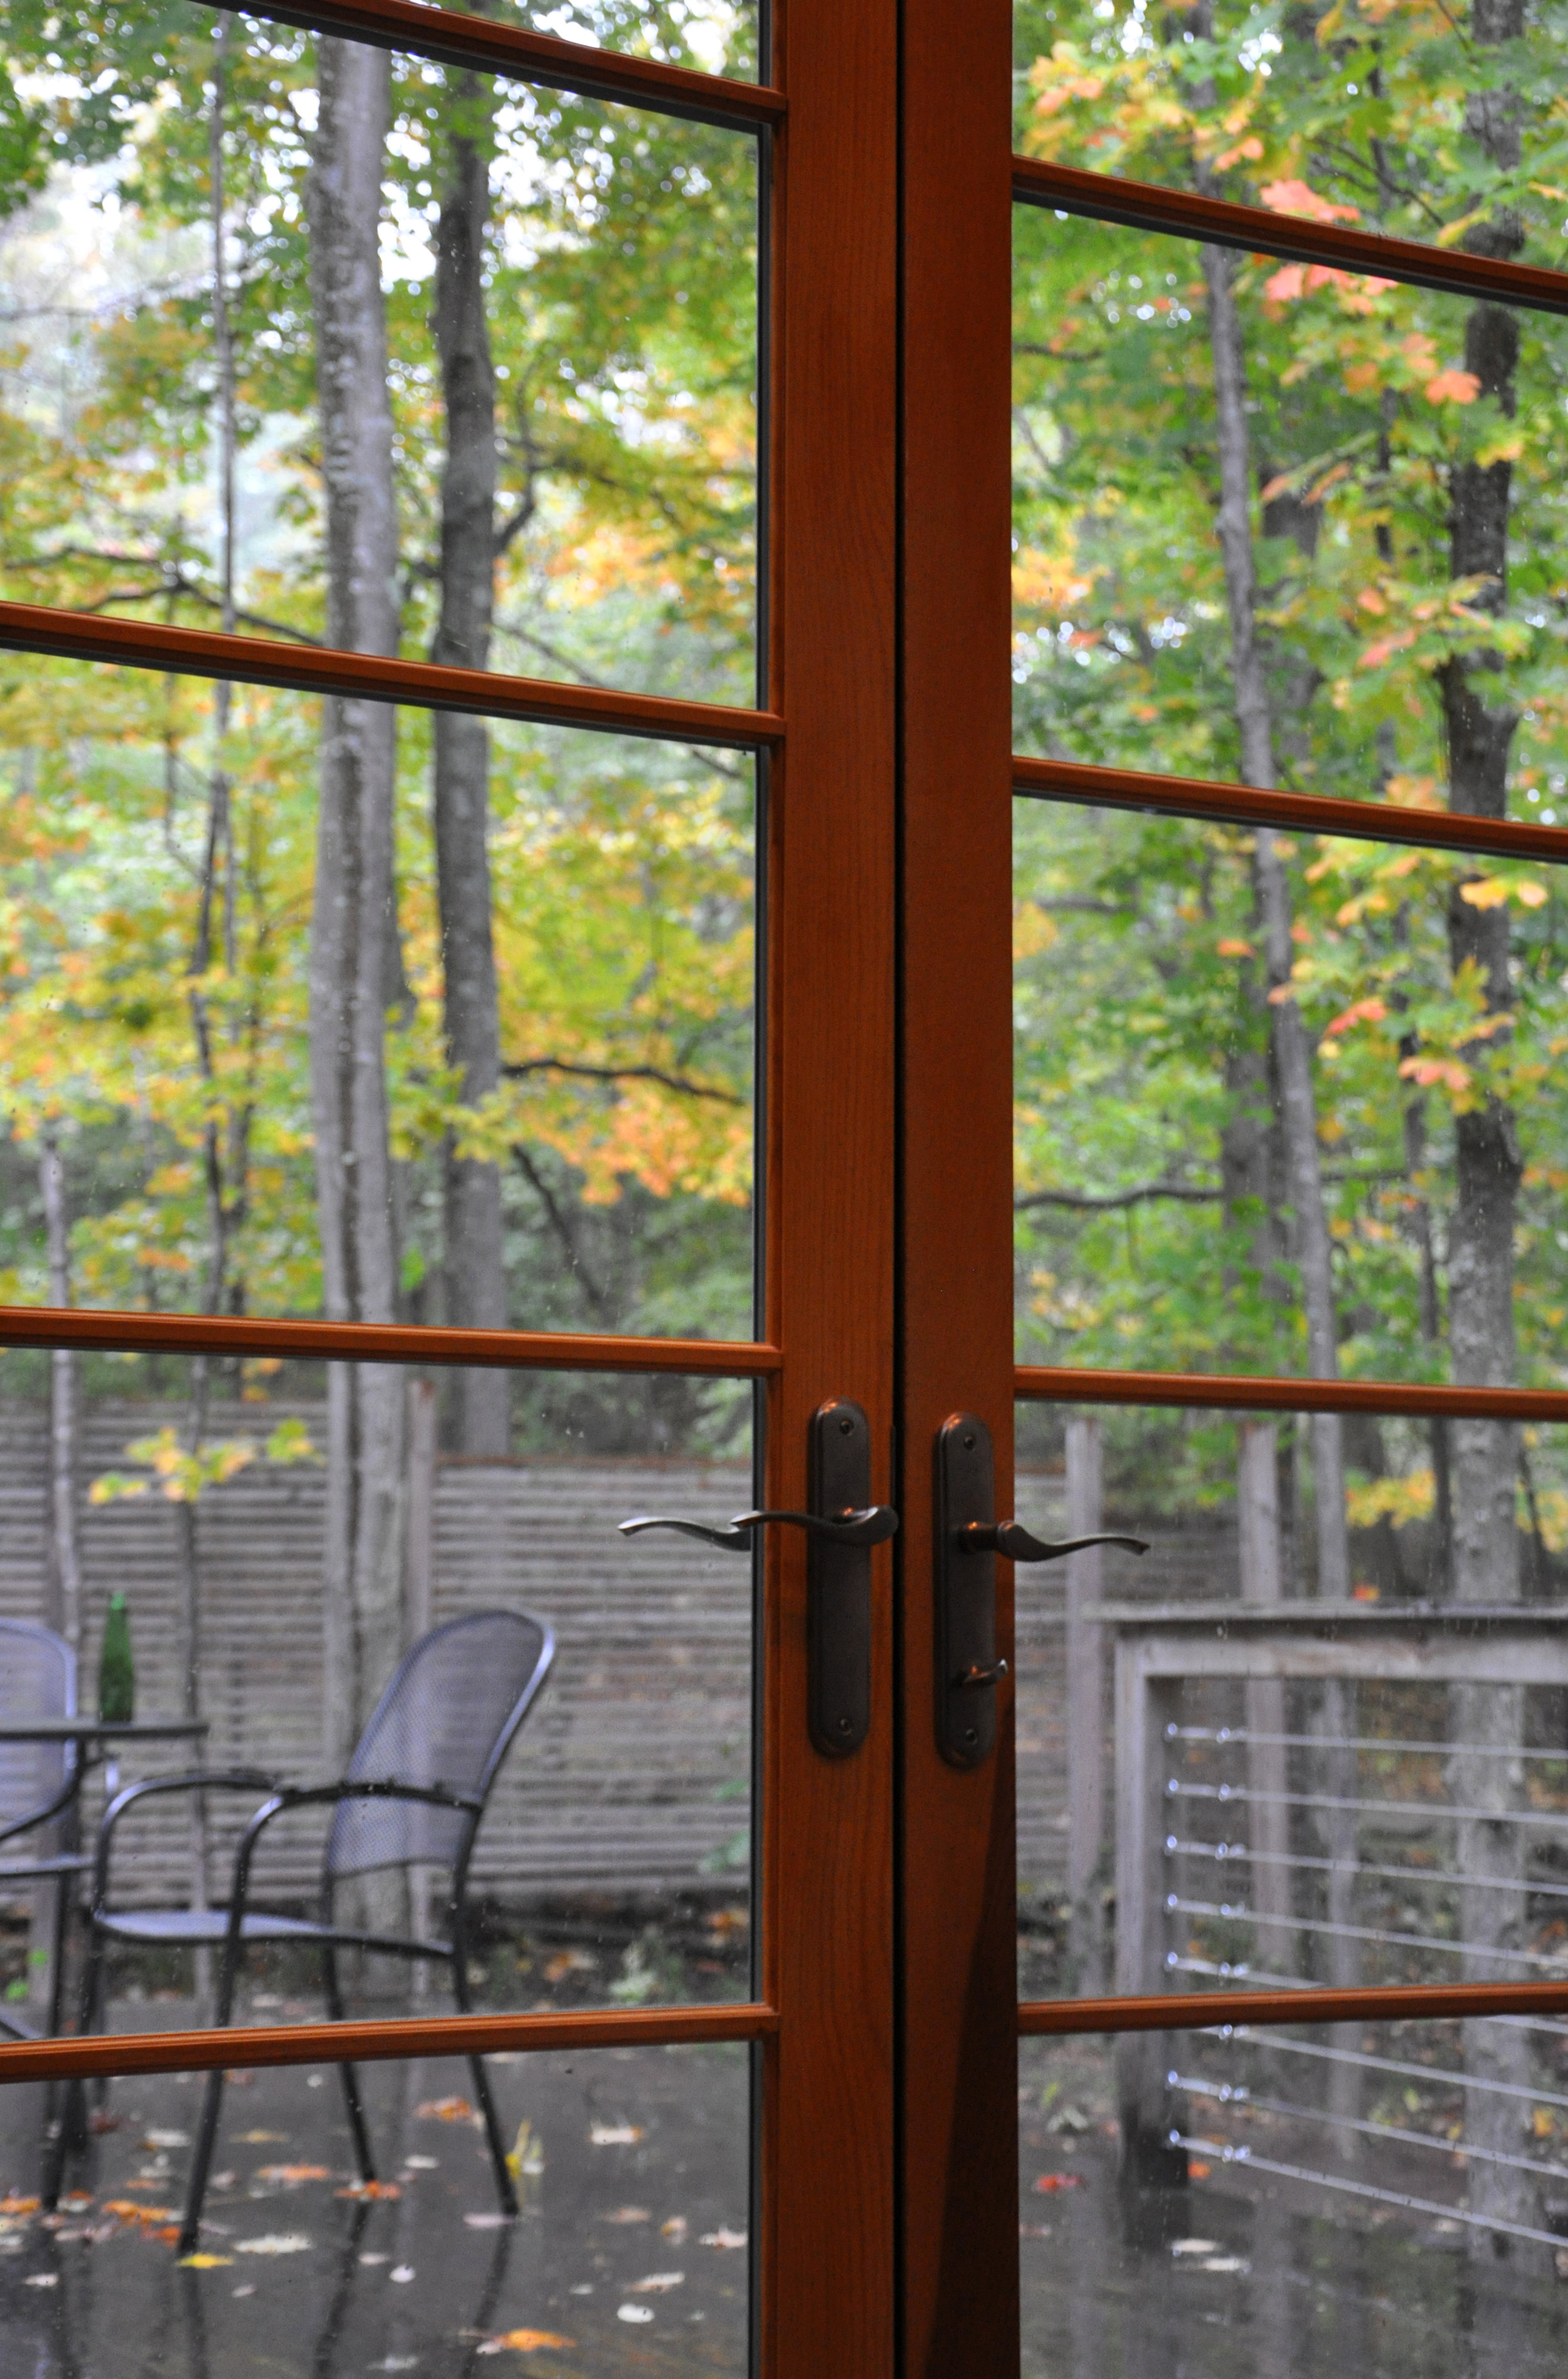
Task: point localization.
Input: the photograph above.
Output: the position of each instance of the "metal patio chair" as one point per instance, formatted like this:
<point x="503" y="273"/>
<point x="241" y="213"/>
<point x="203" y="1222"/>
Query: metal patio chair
<point x="415" y="1792"/>
<point x="40" y="1785"/>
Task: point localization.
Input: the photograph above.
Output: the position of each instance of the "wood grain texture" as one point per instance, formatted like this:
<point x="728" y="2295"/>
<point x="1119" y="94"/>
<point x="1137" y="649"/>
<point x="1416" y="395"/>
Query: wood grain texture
<point x="1234" y="1392"/>
<point x="1195" y="2010"/>
<point x="374" y="677"/>
<point x="328" y="2043"/>
<point x="1198" y="797"/>
<point x="828" y="2210"/>
<point x="1257" y="230"/>
<point x="456" y="38"/>
<point x="959" y="2248"/>
<point x="376" y="1342"/>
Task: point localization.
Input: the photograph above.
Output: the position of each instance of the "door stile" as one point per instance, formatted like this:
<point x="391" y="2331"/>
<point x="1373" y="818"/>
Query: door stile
<point x="958" y="2040"/>
<point x="827" y="2197"/>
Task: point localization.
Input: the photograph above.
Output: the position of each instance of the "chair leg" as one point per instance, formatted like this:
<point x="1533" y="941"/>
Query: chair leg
<point x="352" y="2099"/>
<point x="482" y="2091"/>
<point x="72" y="2130"/>
<point x="201" y="2163"/>
<point x="58" y="1975"/>
<point x="504" y="2189"/>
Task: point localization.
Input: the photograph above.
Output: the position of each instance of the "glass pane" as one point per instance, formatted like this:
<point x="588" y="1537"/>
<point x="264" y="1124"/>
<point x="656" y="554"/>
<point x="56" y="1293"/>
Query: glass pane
<point x="631" y="2252"/>
<point x="245" y="1554"/>
<point x="358" y="349"/>
<point x="716" y="37"/>
<point x="544" y="994"/>
<point x="1279" y="2232"/>
<point x="1334" y="1752"/>
<point x="1316" y="551"/>
<point x="1403" y="121"/>
<point x="1286" y="1106"/>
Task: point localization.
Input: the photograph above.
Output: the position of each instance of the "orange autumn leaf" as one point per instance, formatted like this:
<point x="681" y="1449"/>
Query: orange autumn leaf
<point x="1235" y="949"/>
<point x="529" y="2341"/>
<point x="1452" y="388"/>
<point x="1363" y="1011"/>
<point x="1430" y="1071"/>
<point x="445" y="2110"/>
<point x="290" y="2174"/>
<point x="1292" y="198"/>
<point x="371" y="2190"/>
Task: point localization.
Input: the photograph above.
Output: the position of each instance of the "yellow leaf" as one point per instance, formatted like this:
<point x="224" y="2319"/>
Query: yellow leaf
<point x="1490" y="892"/>
<point x="204" y="2263"/>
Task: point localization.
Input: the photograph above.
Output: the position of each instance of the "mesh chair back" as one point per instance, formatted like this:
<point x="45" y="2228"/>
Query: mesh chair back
<point x="448" y="1717"/>
<point x="38" y="1679"/>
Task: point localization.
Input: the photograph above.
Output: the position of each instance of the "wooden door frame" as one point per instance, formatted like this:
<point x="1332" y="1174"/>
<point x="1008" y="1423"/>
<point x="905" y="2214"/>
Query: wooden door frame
<point x="958" y="2048"/>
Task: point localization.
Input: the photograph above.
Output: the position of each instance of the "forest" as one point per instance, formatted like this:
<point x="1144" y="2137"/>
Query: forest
<point x="1296" y="1104"/>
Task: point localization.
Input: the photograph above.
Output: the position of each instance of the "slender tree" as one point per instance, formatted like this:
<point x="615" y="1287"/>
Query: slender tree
<point x="353" y="952"/>
<point x="476" y="1275"/>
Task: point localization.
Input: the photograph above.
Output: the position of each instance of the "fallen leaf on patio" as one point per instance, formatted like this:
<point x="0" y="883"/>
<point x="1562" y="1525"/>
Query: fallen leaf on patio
<point x="291" y="2174"/>
<point x="1195" y="2246"/>
<point x="633" y="2313"/>
<point x="103" y="2121"/>
<point x="222" y="2180"/>
<point x="616" y="2135"/>
<point x="675" y="2230"/>
<point x="371" y="2188"/>
<point x="204" y="2263"/>
<point x="525" y="2341"/>
<point x="403" y="2275"/>
<point x="657" y="2284"/>
<point x="1225" y="2263"/>
<point x="423" y="2164"/>
<point x="446" y="2110"/>
<point x="1197" y="2168"/>
<point x="722" y="2238"/>
<point x="487" y="2221"/>
<point x="628" y="2214"/>
<point x="275" y="2242"/>
<point x="129" y="2211"/>
<point x="43" y="2280"/>
<point x="167" y="2234"/>
<point x="22" y="2204"/>
<point x="1049" y="2180"/>
<point x="260" y="2139"/>
<point x="375" y="2259"/>
<point x="166" y="2140"/>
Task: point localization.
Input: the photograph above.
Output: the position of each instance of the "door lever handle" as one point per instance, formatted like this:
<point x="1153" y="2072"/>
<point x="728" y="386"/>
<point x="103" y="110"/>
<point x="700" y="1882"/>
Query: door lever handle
<point x="873" y="1525"/>
<point x="841" y="1528"/>
<point x="1016" y="1544"/>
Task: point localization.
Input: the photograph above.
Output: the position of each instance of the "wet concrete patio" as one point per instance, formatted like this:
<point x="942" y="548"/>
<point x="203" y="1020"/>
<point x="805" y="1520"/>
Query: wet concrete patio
<point x="630" y="2254"/>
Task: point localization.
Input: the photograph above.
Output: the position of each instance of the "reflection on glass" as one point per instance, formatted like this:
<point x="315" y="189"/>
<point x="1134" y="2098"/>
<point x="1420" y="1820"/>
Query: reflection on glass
<point x="286" y="1540"/>
<point x="269" y="1045"/>
<point x="1287" y="1105"/>
<point x="630" y="2252"/>
<point x="352" y="347"/>
<point x="1280" y="2236"/>
<point x="1400" y="122"/>
<point x="1284" y="524"/>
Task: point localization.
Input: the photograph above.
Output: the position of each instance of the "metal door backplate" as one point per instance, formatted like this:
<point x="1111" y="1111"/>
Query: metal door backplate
<point x="966" y="1592"/>
<point x="839" y="1588"/>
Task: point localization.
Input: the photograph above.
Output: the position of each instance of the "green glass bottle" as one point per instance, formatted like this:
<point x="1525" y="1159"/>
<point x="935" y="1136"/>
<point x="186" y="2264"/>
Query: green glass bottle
<point x="116" y="1670"/>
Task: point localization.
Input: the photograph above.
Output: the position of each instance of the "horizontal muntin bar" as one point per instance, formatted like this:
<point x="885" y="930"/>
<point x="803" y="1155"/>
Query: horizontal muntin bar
<point x="1265" y="1923"/>
<point x="1233" y="1734"/>
<point x="1198" y="2086"/>
<point x="1202" y="2011"/>
<point x="1234" y="1392"/>
<point x="1453" y="2078"/>
<point x="1350" y="821"/>
<point x="1239" y="1851"/>
<point x="378" y="677"/>
<point x="377" y="1341"/>
<point x="240" y="2047"/>
<point x="1176" y="1791"/>
<point x="1440" y="2212"/>
<point x="1257" y="230"/>
<point x="454" y="38"/>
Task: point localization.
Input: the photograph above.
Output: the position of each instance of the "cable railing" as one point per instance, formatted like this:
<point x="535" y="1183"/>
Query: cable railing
<point x="1299" y="1804"/>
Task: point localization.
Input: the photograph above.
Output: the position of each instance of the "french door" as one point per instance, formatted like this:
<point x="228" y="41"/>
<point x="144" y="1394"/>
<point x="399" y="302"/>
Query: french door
<point x="635" y="1126"/>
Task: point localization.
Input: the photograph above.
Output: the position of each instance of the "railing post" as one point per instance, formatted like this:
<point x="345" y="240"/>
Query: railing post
<point x="1144" y="1706"/>
<point x="1262" y="1581"/>
<point x="1086" y="1708"/>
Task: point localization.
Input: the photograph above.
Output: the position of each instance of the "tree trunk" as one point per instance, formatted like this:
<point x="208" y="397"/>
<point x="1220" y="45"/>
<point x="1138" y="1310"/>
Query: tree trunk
<point x="1293" y="1060"/>
<point x="1485" y="1455"/>
<point x="475" y="1277"/>
<point x="354" y="950"/>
